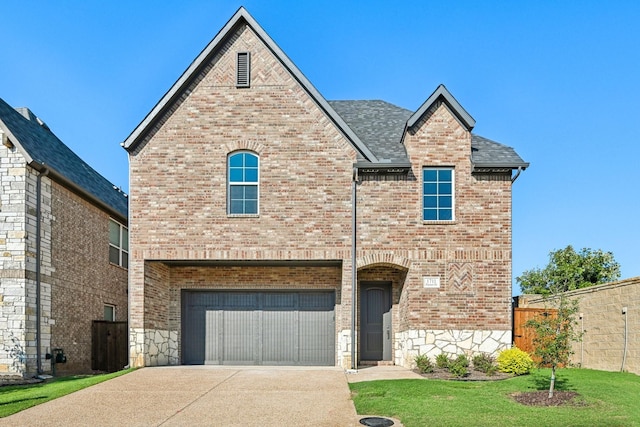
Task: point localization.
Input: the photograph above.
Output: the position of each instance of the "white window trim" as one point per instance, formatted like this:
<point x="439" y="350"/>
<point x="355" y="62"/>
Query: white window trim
<point x="122" y="228"/>
<point x="230" y="184"/>
<point x="453" y="196"/>
<point x="114" y="311"/>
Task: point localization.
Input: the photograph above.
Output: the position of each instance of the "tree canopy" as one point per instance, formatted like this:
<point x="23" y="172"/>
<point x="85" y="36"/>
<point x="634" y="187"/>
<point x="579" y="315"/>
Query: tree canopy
<point x="568" y="270"/>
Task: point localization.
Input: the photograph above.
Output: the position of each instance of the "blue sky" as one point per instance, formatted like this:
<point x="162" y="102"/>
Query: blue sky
<point x="558" y="81"/>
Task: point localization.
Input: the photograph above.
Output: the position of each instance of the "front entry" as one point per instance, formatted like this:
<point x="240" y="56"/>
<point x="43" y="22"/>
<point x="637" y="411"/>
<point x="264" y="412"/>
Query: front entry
<point x="375" y="321"/>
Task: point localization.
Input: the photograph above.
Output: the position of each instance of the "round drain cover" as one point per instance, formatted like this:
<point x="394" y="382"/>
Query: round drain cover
<point x="376" y="422"/>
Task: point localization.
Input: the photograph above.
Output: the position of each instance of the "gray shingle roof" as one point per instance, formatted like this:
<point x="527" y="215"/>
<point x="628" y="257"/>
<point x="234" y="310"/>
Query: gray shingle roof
<point x="488" y="153"/>
<point x="44" y="148"/>
<point x="380" y="125"/>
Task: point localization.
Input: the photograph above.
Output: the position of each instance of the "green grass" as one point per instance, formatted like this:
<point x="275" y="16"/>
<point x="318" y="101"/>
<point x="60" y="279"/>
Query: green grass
<point x="19" y="397"/>
<point x="609" y="398"/>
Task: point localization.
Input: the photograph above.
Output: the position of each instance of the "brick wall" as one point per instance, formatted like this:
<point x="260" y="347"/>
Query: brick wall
<point x="603" y="323"/>
<point x="83" y="280"/>
<point x="178" y="202"/>
<point x="472" y="256"/>
<point x="178" y="181"/>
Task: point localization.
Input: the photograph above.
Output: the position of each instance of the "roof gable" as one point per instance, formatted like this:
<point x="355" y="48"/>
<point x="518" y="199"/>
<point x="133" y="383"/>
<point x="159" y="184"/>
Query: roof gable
<point x="442" y="94"/>
<point x="168" y="103"/>
<point x="43" y="150"/>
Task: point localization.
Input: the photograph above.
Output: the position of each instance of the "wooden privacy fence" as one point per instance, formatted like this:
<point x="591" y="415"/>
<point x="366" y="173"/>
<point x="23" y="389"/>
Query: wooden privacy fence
<point x="523" y="336"/>
<point x="109" y="345"/>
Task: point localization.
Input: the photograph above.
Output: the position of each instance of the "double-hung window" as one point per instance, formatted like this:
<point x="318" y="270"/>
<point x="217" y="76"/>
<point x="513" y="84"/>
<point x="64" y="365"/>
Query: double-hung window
<point x="437" y="194"/>
<point x="243" y="183"/>
<point x="118" y="244"/>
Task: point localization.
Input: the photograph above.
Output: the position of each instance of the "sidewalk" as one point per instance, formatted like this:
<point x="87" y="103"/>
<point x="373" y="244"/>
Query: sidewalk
<point x="372" y="373"/>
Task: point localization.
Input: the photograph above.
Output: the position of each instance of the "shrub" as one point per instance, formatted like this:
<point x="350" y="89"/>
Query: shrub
<point x="460" y="366"/>
<point x="424" y="364"/>
<point x="515" y="361"/>
<point x="484" y="363"/>
<point x="443" y="361"/>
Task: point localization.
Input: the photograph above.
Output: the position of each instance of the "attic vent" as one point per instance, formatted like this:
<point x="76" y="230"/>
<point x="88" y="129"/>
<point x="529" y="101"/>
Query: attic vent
<point x="244" y="70"/>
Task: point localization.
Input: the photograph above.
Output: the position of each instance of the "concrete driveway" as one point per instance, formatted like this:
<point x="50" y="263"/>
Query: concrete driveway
<point x="204" y="396"/>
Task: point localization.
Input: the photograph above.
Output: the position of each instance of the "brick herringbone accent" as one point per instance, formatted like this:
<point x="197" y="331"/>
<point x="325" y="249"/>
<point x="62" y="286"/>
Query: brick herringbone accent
<point x="460" y="277"/>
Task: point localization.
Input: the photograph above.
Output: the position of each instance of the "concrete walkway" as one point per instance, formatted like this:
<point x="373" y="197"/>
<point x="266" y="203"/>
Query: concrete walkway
<point x="211" y="396"/>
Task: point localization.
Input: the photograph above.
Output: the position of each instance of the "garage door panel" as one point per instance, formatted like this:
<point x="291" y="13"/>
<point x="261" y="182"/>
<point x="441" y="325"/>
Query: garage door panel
<point x="212" y="337"/>
<point x="316" y="341"/>
<point x="271" y="328"/>
<point x="281" y="301"/>
<point x="317" y="301"/>
<point x="279" y="332"/>
<point x="193" y="337"/>
<point x="239" y="300"/>
<point x="238" y="340"/>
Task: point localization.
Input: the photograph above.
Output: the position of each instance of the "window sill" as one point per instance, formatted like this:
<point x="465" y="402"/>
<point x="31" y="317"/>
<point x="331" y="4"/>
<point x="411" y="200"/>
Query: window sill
<point x="439" y="222"/>
<point x="243" y="215"/>
<point x="119" y="266"/>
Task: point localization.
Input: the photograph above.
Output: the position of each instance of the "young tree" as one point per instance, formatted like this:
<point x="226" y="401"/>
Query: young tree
<point x="568" y="270"/>
<point x="554" y="335"/>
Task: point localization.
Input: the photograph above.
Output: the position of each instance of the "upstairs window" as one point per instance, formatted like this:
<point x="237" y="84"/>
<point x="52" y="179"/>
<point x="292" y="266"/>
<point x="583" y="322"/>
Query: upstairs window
<point x="118" y="244"/>
<point x="437" y="197"/>
<point x="243" y="184"/>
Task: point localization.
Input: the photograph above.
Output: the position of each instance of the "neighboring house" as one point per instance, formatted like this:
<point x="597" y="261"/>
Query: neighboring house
<point x="609" y="316"/>
<point x="256" y="205"/>
<point x="59" y="270"/>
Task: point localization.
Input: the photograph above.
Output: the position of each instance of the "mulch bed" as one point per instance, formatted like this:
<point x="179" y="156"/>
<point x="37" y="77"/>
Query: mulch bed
<point x="443" y="374"/>
<point x="528" y="398"/>
<point x="541" y="398"/>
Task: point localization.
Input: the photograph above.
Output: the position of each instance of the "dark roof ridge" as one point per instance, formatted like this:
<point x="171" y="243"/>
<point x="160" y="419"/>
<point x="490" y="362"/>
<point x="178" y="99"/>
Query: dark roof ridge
<point x="42" y="149"/>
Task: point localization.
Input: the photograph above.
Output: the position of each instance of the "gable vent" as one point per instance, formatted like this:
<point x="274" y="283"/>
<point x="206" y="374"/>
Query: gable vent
<point x="243" y="76"/>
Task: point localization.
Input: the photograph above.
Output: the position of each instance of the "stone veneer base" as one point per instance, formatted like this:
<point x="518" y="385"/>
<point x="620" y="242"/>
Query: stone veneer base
<point x="414" y="342"/>
<point x="153" y="347"/>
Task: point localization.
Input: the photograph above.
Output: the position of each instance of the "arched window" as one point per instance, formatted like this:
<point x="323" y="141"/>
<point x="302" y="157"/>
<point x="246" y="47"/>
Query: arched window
<point x="243" y="183"/>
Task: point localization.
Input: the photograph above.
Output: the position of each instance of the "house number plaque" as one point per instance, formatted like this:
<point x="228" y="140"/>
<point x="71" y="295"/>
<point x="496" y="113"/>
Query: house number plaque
<point x="431" y="282"/>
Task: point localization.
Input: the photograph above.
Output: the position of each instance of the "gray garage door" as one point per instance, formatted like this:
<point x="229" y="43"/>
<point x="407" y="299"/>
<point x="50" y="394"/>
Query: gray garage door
<point x="258" y="328"/>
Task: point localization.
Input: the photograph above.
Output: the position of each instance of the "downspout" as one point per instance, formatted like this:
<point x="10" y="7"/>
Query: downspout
<point x="517" y="174"/>
<point x="626" y="339"/>
<point x="41" y="174"/>
<point x="354" y="268"/>
<point x="582" y="341"/>
<point x="129" y="359"/>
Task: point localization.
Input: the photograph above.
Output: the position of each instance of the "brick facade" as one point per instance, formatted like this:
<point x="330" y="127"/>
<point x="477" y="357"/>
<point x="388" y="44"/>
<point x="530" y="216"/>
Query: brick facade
<point x="83" y="280"/>
<point x="76" y="278"/>
<point x="179" y="214"/>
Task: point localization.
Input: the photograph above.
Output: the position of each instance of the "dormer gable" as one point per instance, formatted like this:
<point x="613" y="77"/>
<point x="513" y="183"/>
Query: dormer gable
<point x="442" y="94"/>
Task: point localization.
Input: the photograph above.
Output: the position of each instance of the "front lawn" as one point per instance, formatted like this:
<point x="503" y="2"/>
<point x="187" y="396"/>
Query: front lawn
<point x="19" y="397"/>
<point x="605" y="399"/>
